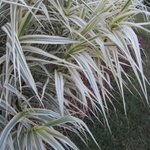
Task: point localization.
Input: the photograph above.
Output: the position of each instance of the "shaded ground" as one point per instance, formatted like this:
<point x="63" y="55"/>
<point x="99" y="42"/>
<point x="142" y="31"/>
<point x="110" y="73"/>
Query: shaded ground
<point x="131" y="133"/>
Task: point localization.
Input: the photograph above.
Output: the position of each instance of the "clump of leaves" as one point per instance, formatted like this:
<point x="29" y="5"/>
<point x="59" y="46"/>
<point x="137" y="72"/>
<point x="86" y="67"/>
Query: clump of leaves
<point x="57" y="60"/>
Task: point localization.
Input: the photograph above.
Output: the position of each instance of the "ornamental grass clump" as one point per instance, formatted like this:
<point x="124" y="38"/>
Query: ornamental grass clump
<point x="58" y="59"/>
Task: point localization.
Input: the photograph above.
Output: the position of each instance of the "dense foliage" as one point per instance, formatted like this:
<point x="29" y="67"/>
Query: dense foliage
<point x="58" y="59"/>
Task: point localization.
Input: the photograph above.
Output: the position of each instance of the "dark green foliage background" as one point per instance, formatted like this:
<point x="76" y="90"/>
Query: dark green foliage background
<point x="128" y="133"/>
<point x="147" y="3"/>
